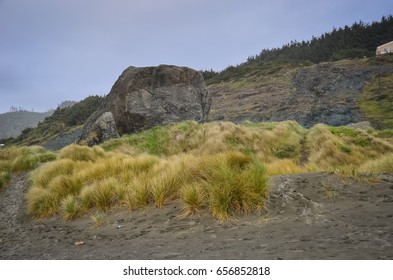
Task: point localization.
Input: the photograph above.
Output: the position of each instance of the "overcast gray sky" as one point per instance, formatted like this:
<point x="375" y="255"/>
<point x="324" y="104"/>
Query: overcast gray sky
<point x="55" y="50"/>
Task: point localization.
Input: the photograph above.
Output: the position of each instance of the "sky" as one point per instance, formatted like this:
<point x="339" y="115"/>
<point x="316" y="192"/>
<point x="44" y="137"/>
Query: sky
<point x="56" y="50"/>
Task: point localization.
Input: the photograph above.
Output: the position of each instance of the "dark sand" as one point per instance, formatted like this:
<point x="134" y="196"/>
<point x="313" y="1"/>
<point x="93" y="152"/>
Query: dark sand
<point x="300" y="222"/>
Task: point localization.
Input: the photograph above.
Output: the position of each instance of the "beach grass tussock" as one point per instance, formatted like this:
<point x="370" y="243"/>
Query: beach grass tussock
<point x="16" y="160"/>
<point x="70" y="207"/>
<point x="193" y="196"/>
<point x="219" y="167"/>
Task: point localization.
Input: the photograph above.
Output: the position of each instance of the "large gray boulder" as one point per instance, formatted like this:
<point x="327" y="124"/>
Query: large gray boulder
<point x="104" y="128"/>
<point x="144" y="97"/>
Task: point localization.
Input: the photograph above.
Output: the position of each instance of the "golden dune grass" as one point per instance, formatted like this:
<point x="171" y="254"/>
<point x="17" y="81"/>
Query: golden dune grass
<point x="219" y="166"/>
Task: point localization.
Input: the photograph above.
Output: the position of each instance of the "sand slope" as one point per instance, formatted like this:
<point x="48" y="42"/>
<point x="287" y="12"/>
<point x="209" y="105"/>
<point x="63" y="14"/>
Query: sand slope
<point x="300" y="222"/>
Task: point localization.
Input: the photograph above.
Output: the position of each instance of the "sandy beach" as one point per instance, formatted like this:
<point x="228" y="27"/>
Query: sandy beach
<point x="306" y="216"/>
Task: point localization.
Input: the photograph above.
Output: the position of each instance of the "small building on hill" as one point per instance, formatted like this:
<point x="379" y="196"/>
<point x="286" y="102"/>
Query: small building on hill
<point x="384" y="49"/>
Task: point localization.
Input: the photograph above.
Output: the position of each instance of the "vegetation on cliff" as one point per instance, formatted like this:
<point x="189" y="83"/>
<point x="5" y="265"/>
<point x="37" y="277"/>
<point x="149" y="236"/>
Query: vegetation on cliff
<point x="63" y="119"/>
<point x="349" y="42"/>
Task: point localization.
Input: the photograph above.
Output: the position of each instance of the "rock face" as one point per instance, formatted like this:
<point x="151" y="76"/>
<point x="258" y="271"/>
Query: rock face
<point x="148" y="96"/>
<point x="323" y="93"/>
<point x="104" y="128"/>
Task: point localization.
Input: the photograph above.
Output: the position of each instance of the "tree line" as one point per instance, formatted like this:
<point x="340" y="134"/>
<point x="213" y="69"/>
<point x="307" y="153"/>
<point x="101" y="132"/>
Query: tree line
<point x="348" y="42"/>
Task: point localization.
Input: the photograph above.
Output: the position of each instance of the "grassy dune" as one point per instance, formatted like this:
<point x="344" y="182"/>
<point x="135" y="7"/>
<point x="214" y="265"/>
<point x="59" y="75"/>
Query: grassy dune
<point x="20" y="159"/>
<point x="219" y="166"/>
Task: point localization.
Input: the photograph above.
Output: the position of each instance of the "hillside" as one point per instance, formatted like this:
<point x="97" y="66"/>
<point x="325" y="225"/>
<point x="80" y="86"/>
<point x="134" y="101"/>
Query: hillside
<point x="334" y="93"/>
<point x="333" y="79"/>
<point x="64" y="121"/>
<point x="13" y="123"/>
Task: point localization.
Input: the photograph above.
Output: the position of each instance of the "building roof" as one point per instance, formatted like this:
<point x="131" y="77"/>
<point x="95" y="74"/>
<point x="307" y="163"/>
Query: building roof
<point x="381" y="46"/>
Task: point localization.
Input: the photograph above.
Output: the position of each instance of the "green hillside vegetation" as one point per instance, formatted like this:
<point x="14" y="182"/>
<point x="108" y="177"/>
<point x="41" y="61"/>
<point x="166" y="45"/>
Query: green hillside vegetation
<point x="350" y="42"/>
<point x="219" y="167"/>
<point x="63" y="119"/>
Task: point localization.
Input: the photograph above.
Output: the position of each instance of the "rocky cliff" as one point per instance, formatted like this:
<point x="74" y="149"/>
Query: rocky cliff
<point x="335" y="93"/>
<point x="144" y="97"/>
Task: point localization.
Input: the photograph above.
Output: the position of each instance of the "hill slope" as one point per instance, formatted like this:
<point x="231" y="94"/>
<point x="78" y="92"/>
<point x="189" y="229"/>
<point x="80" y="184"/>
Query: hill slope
<point x="62" y="121"/>
<point x="326" y="79"/>
<point x="13" y="123"/>
<point x="334" y="93"/>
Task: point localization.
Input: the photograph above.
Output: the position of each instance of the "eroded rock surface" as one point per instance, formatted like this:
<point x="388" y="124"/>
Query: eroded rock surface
<point x="144" y="97"/>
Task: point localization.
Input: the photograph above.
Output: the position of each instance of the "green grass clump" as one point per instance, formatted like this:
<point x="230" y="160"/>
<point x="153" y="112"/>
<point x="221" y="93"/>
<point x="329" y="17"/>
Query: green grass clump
<point x="237" y="190"/>
<point x="352" y="135"/>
